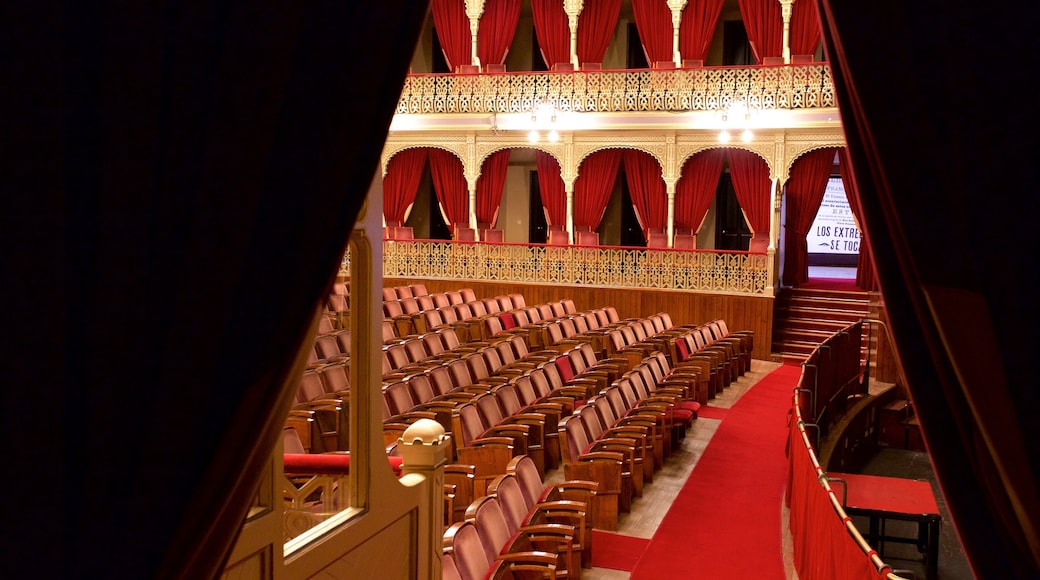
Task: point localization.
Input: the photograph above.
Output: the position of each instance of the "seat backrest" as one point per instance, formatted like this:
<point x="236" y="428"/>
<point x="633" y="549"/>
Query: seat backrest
<point x="490" y="235"/>
<point x="416" y="350"/>
<point x="335" y="377"/>
<point x="419" y="290"/>
<point x="492" y="306"/>
<point x="434" y="344"/>
<point x="343" y="339"/>
<point x="511" y="499"/>
<point x="685" y="242"/>
<point x="309" y="386"/>
<point x="486" y="513"/>
<point x="448" y="569"/>
<point x="397" y="354"/>
<point x="558" y="238"/>
<point x="467" y="294"/>
<point x="409" y="305"/>
<point x="759" y="243"/>
<point x="398" y="397"/>
<point x="404" y="291"/>
<point x="403" y="233"/>
<point x="455" y="297"/>
<point x="466" y="234"/>
<point x="421" y="388"/>
<point x="587" y="238"/>
<point x="657" y="240"/>
<point x="425" y="302"/>
<point x="389" y="294"/>
<point x="291" y="441"/>
<point x="527" y="476"/>
<point x="440" y="379"/>
<point x="467" y="550"/>
<point x="440" y="300"/>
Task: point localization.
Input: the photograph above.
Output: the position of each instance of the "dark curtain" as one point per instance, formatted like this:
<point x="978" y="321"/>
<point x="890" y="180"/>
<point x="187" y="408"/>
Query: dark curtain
<point x="596" y="26"/>
<point x="696" y="188"/>
<point x="551" y="189"/>
<point x="654" y="22"/>
<point x="765" y="27"/>
<point x="552" y="31"/>
<point x="497" y="27"/>
<point x="865" y="279"/>
<point x="647" y="189"/>
<point x="805" y="28"/>
<point x="594" y="185"/>
<point x="805" y="189"/>
<point x="952" y="272"/>
<point x="697" y="28"/>
<point x="751" y="185"/>
<point x="452" y="28"/>
<point x="450" y="185"/>
<point x="490" y="184"/>
<point x="170" y="171"/>
<point x="403" y="174"/>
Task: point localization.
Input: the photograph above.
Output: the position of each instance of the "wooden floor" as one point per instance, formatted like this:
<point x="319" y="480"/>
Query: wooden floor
<point x="648" y="511"/>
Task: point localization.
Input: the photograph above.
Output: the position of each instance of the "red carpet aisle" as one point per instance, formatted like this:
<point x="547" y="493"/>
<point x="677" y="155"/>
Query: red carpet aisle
<point x="726" y="520"/>
<point x="616" y="551"/>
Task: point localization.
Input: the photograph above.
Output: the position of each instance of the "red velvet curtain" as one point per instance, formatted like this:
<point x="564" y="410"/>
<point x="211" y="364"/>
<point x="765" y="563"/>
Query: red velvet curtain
<point x="401" y="183"/>
<point x="654" y="22"/>
<point x="490" y="184"/>
<point x="450" y="186"/>
<point x="551" y="189"/>
<point x="765" y="27"/>
<point x="596" y="26"/>
<point x="497" y="27"/>
<point x="552" y="31"/>
<point x="594" y="185"/>
<point x="805" y="28"/>
<point x="805" y="191"/>
<point x="696" y="188"/>
<point x="647" y="189"/>
<point x="751" y="185"/>
<point x="697" y="27"/>
<point x="452" y="28"/>
<point x="865" y="278"/>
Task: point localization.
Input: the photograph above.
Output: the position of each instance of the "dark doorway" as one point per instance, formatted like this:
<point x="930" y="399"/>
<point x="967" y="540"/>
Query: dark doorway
<point x="537" y="229"/>
<point x="439" y="229"/>
<point x="731" y="229"/>
<point x="736" y="49"/>
<point x="537" y="62"/>
<point x="636" y="58"/>
<point x="440" y="64"/>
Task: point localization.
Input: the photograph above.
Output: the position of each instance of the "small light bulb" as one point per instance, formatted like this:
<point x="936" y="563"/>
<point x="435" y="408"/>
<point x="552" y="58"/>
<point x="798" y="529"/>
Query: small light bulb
<point x="747" y="135"/>
<point x="554" y="136"/>
<point x="724" y="136"/>
<point x="532" y="136"/>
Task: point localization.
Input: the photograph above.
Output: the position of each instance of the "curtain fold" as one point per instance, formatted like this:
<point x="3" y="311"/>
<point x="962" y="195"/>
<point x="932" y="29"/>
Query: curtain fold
<point x="490" y="184"/>
<point x="401" y="183"/>
<point x="552" y="31"/>
<point x="805" y="190"/>
<point x="594" y="185"/>
<point x="596" y="26"/>
<point x="865" y="278"/>
<point x="699" y="18"/>
<point x="765" y="27"/>
<point x="696" y="188"/>
<point x="805" y="28"/>
<point x="449" y="183"/>
<point x="647" y="190"/>
<point x="654" y="22"/>
<point x="497" y="28"/>
<point x="551" y="189"/>
<point x="751" y="185"/>
<point x="452" y="28"/>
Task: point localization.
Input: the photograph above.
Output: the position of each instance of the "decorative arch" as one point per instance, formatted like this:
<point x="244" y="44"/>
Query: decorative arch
<point x="583" y="153"/>
<point x="455" y="146"/>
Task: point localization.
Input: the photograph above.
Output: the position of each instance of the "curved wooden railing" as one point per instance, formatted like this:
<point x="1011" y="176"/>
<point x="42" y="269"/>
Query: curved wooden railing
<point x="763" y="88"/>
<point x="605" y="266"/>
<point x="825" y="538"/>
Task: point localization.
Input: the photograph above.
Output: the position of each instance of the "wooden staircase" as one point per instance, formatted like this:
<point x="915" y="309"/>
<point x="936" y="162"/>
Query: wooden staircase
<point x="804" y="317"/>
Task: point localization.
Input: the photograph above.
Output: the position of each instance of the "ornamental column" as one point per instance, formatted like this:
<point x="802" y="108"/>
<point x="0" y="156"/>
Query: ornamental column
<point x="573" y="10"/>
<point x="785" y="13"/>
<point x="568" y="186"/>
<point x="676" y="6"/>
<point x="424" y="448"/>
<point x="474" y="10"/>
<point x="669" y="185"/>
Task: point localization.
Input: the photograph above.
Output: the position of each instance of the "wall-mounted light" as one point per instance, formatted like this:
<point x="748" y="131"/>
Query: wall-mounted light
<point x="543" y="116"/>
<point x="736" y="113"/>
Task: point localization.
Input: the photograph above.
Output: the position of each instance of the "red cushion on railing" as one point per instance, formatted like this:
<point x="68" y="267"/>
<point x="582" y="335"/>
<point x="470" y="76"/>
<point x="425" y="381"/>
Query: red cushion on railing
<point x="326" y="463"/>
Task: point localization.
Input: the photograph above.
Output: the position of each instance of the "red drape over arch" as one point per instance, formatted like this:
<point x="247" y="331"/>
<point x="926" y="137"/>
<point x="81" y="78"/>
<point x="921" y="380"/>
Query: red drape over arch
<point x="805" y="28"/>
<point x="452" y="28"/>
<point x="551" y="189"/>
<point x="647" y="189"/>
<point x="696" y="188"/>
<point x="552" y="31"/>
<point x="765" y="27"/>
<point x="654" y="22"/>
<point x="450" y="185"/>
<point x="865" y="278"/>
<point x="401" y="183"/>
<point x="596" y="26"/>
<point x="489" y="187"/>
<point x="497" y="27"/>
<point x="697" y="27"/>
<point x="805" y="191"/>
<point x="594" y="185"/>
<point x="751" y="185"/>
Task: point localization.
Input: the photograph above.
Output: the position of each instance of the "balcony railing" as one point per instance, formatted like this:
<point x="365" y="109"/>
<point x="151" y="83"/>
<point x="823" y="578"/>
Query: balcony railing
<point x="697" y="270"/>
<point x="782" y="87"/>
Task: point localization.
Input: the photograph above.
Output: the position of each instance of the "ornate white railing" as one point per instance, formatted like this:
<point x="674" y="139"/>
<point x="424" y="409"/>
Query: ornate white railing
<point x="802" y="86"/>
<point x="698" y="270"/>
